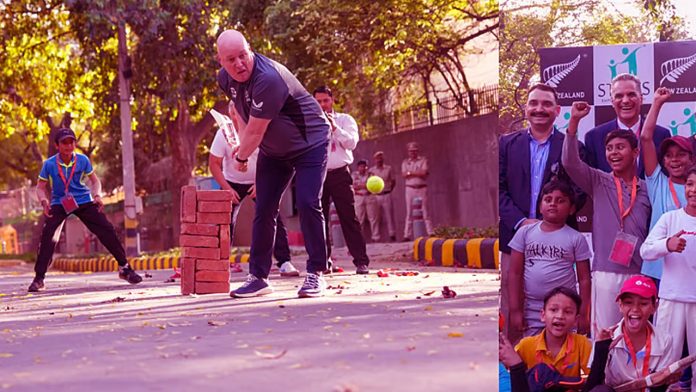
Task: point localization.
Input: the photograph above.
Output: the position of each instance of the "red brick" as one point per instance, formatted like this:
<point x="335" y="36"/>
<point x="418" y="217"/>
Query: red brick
<point x="215" y="195"/>
<point x="212" y="265"/>
<point x="219" y="218"/>
<point x="199" y="229"/>
<point x="188" y="276"/>
<point x="214" y="206"/>
<point x="224" y="242"/>
<point x="188" y="203"/>
<point x="212" y="287"/>
<point x="201" y="253"/>
<point x="213" y="276"/>
<point x="199" y="241"/>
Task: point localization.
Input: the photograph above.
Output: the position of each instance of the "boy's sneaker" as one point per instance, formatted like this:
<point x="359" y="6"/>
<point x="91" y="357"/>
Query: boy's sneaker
<point x="36" y="285"/>
<point x="128" y="274"/>
<point x="287" y="269"/>
<point x="313" y="286"/>
<point x="253" y="287"/>
<point x="362" y="270"/>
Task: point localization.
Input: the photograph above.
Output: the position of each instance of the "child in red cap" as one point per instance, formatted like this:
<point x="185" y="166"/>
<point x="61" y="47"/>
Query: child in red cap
<point x="634" y="340"/>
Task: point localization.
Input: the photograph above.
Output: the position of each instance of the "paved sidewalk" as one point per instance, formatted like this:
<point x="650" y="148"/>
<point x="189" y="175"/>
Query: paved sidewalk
<point x="95" y="332"/>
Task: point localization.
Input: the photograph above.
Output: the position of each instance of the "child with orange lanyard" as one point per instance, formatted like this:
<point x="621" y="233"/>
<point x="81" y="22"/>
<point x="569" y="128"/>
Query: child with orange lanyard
<point x="68" y="172"/>
<point x="666" y="192"/>
<point x="621" y="214"/>
<point x="673" y="238"/>
<point x="638" y="348"/>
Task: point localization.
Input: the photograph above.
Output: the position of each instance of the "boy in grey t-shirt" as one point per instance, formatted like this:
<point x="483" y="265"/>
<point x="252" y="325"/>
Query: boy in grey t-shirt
<point x="543" y="256"/>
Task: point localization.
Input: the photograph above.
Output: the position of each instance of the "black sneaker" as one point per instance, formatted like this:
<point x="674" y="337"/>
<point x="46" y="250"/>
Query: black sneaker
<point x="362" y="270"/>
<point x="253" y="287"/>
<point x="128" y="274"/>
<point x="36" y="285"/>
<point x="313" y="286"/>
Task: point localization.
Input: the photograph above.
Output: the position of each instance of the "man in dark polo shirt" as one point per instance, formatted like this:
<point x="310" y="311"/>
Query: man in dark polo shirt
<point x="276" y="114"/>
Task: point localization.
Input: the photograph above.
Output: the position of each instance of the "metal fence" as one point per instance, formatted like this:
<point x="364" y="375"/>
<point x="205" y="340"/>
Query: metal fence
<point x="478" y="102"/>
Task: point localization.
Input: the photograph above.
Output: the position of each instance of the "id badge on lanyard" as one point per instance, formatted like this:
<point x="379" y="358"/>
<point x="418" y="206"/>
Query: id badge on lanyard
<point x="68" y="201"/>
<point x="624" y="245"/>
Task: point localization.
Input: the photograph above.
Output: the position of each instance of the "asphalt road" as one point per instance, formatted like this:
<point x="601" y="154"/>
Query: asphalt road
<point x="92" y="331"/>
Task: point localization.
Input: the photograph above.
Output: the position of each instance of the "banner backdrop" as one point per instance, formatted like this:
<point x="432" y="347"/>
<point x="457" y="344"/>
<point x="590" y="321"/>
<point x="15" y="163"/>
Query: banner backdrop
<point x="585" y="74"/>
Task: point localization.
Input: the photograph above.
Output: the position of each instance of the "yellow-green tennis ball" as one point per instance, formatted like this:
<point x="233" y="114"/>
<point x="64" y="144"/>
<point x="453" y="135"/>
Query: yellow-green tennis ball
<point x="375" y="184"/>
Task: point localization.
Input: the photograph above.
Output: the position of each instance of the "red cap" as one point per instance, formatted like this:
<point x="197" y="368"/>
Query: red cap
<point x="680" y="141"/>
<point x="639" y="285"/>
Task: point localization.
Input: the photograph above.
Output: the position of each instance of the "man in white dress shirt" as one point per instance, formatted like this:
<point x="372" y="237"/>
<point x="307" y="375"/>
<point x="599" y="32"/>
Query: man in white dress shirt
<point x="222" y="167"/>
<point x="338" y="185"/>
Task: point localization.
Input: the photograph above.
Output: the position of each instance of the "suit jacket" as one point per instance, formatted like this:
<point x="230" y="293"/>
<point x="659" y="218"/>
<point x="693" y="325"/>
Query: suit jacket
<point x="514" y="187"/>
<point x="594" y="142"/>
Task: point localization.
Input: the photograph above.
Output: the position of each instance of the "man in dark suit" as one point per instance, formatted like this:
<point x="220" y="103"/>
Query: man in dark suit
<point x="626" y="99"/>
<point x="527" y="160"/>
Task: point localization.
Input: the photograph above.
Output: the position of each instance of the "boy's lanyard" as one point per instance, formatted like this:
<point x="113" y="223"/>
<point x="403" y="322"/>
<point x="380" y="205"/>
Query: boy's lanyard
<point x="619" y="195"/>
<point x="633" y="353"/>
<point x="566" y="356"/>
<point x="60" y="172"/>
<point x="675" y="199"/>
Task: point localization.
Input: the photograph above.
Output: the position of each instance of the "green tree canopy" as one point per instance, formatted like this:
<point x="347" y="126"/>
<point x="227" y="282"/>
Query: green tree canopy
<point x="526" y="28"/>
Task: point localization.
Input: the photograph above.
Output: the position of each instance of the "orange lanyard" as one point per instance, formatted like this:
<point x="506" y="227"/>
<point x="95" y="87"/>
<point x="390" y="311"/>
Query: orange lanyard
<point x="619" y="195"/>
<point x="675" y="199"/>
<point x="60" y="172"/>
<point x="632" y="351"/>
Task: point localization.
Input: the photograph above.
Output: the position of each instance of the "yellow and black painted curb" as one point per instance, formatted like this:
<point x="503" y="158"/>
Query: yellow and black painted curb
<point x="471" y="253"/>
<point x="108" y="263"/>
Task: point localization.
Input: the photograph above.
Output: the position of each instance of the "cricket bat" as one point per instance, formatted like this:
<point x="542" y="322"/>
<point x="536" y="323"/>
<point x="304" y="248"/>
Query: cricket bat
<point x="658" y="376"/>
<point x="227" y="126"/>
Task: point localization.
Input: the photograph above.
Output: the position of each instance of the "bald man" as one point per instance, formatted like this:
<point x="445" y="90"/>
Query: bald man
<point x="277" y="115"/>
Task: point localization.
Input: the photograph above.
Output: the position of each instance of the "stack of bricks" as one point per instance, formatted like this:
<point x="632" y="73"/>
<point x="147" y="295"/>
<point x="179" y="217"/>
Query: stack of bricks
<point x="205" y="241"/>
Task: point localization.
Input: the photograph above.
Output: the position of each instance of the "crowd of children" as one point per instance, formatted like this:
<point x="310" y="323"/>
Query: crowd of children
<point x="635" y="306"/>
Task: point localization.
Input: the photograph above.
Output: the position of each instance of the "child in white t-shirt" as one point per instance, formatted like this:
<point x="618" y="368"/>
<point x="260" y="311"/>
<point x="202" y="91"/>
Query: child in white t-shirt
<point x="674" y="238"/>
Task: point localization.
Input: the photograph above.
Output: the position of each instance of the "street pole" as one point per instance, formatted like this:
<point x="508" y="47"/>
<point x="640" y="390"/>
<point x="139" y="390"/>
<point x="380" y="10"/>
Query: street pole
<point x="130" y="214"/>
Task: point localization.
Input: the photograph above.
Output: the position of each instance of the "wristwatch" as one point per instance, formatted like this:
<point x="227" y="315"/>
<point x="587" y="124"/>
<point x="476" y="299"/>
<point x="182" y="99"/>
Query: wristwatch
<point x="236" y="157"/>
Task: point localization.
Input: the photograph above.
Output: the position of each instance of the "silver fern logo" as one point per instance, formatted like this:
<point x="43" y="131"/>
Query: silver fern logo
<point x="554" y="74"/>
<point x="674" y="68"/>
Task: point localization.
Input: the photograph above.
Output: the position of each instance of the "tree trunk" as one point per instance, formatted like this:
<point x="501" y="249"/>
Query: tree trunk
<point x="184" y="137"/>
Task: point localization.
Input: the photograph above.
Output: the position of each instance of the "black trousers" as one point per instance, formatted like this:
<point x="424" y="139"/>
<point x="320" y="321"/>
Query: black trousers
<point x="338" y="187"/>
<point x="95" y="221"/>
<point x="273" y="176"/>
<point x="281" y="247"/>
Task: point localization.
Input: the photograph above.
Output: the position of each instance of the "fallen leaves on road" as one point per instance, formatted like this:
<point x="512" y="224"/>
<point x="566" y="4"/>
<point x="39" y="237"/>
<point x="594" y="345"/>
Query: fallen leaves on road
<point x="455" y="335"/>
<point x="270" y="356"/>
<point x="216" y="323"/>
<point x="447" y="293"/>
<point x="429" y="293"/>
<point x="386" y="272"/>
<point x="236" y="268"/>
<point x="345" y="388"/>
<point x="410" y="348"/>
<point x="6" y="355"/>
<point x="117" y="299"/>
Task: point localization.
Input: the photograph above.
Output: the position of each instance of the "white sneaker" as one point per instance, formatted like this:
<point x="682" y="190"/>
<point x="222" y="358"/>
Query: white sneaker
<point x="287" y="269"/>
<point x="313" y="286"/>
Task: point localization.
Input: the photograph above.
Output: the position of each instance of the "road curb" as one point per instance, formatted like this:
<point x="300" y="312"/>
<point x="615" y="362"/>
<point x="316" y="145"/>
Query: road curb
<point x="108" y="263"/>
<point x="480" y="253"/>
